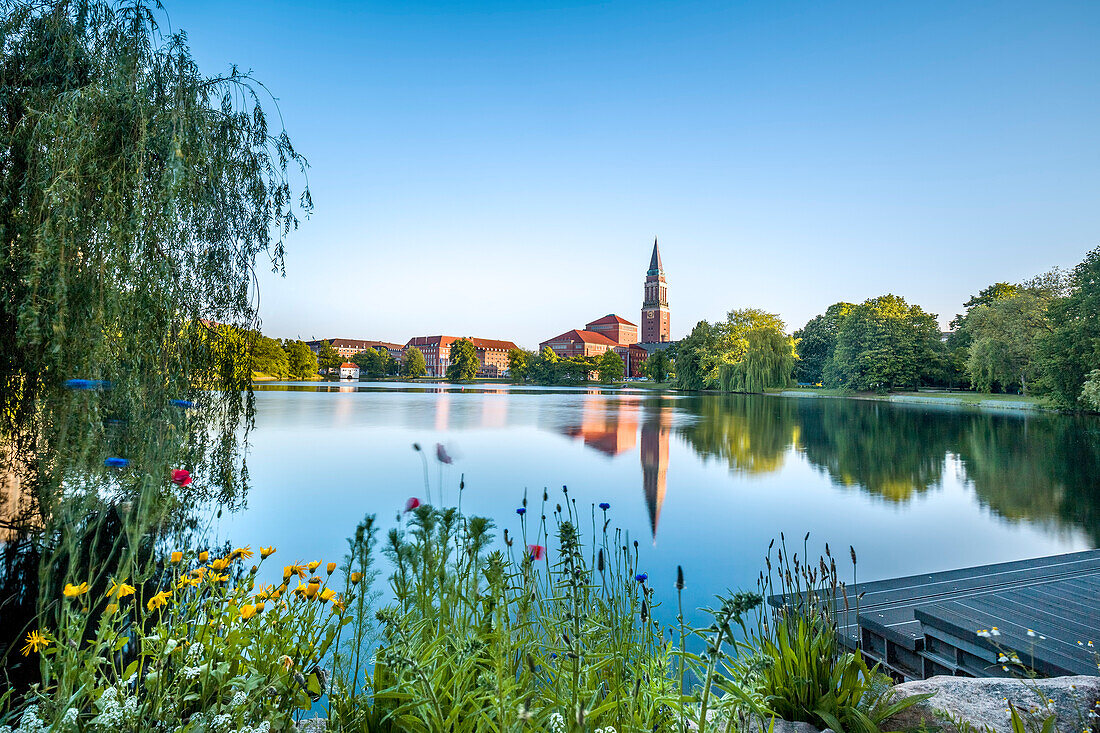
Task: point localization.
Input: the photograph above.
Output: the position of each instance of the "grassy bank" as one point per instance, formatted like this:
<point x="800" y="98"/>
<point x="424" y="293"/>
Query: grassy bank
<point x="969" y="399"/>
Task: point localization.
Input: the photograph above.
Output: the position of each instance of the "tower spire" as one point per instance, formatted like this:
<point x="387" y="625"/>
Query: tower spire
<point x="655" y="266"/>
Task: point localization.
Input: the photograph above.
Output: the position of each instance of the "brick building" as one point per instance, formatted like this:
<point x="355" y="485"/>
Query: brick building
<point x="596" y="338"/>
<point x="656" y="324"/>
<point x="348" y="348"/>
<point x="492" y="354"/>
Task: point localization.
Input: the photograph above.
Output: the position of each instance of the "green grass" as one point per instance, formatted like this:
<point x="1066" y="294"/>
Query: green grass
<point x="965" y="398"/>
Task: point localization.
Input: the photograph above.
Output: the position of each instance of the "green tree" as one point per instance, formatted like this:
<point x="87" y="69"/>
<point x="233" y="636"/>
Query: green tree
<point x="884" y="343"/>
<point x="1004" y="337"/>
<point x="518" y="364"/>
<point x="137" y="197"/>
<point x="371" y="363"/>
<point x="301" y="360"/>
<point x="464" y="362"/>
<point x="328" y="358"/>
<point x="545" y="367"/>
<point x="815" y="343"/>
<point x="1072" y="349"/>
<point x="694" y="357"/>
<point x="1090" y="392"/>
<point x="575" y="369"/>
<point x="414" y="365"/>
<point x="268" y="356"/>
<point x="610" y="366"/>
<point x="658" y="366"/>
<point x="748" y="352"/>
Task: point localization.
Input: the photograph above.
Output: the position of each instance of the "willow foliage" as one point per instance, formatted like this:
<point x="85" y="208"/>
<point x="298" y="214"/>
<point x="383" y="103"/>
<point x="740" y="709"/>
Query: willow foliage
<point x="136" y="195"/>
<point x="748" y="352"/>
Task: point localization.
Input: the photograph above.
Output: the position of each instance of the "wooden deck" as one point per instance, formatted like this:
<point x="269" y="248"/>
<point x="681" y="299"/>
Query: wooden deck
<point x="925" y="625"/>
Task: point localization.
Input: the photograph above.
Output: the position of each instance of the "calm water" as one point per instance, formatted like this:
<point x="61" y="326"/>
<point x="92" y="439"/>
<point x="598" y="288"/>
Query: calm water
<point x="702" y="481"/>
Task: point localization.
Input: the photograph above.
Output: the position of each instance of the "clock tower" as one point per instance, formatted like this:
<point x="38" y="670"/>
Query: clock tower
<point x="655" y="316"/>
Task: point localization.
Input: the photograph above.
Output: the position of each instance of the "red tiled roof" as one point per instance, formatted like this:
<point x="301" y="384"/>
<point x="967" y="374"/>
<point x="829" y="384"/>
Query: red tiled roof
<point x="608" y="320"/>
<point x="442" y="341"/>
<point x="360" y="344"/>
<point x="349" y="365"/>
<point x="588" y="337"/>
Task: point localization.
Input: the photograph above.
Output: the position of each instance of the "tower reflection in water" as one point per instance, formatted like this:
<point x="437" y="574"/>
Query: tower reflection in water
<point x="611" y="426"/>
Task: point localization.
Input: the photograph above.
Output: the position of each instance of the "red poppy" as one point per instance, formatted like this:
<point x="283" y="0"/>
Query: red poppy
<point x="181" y="477"/>
<point x="411" y="504"/>
<point x="442" y="455"/>
<point x="537" y="552"/>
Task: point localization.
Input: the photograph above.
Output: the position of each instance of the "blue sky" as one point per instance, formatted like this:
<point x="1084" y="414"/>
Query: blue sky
<point x="499" y="169"/>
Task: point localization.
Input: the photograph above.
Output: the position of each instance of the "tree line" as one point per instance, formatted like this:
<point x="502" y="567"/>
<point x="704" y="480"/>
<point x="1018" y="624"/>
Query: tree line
<point x="1040" y="336"/>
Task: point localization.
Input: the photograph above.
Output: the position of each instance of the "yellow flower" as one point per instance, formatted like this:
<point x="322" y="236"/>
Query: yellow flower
<point x="266" y="552"/>
<point x="259" y="606"/>
<point x="177" y="557"/>
<point x="293" y="570"/>
<point x="111" y="607"/>
<point x="286" y="661"/>
<point x="356" y="577"/>
<point x="331" y="568"/>
<point x="245" y="552"/>
<point x="185" y="581"/>
<point x="314" y="565"/>
<point x="327" y="595"/>
<point x="217" y="578"/>
<point x="203" y="556"/>
<point x="35" y="641"/>
<point x="265" y="592"/>
<point x="311" y="590"/>
<point x="119" y="590"/>
<point x="160" y="599"/>
<point x="72" y="591"/>
<point x="220" y="564"/>
<point x="248" y="612"/>
<point x="338" y="605"/>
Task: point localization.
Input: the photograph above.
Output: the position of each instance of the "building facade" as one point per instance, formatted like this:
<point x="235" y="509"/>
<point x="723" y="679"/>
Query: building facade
<point x="608" y="333"/>
<point x="492" y="354"/>
<point x="656" y="324"/>
<point x="347" y="348"/>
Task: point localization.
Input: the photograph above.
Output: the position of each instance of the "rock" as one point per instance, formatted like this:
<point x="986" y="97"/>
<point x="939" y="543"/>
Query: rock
<point x="982" y="702"/>
<point x="785" y="726"/>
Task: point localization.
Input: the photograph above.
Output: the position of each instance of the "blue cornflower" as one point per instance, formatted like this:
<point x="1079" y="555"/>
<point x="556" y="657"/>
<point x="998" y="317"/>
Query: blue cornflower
<point x="641" y="577"/>
<point x="521" y="511"/>
<point x="183" y="404"/>
<point x="113" y="462"/>
<point x="604" y="505"/>
<point x="79" y="384"/>
<point x="553" y="655"/>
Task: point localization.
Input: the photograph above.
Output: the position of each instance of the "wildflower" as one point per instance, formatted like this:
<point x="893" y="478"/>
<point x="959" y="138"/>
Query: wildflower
<point x="604" y="505"/>
<point x="182" y="404"/>
<point x="521" y="511"/>
<point x="119" y="590"/>
<point x="220" y="564"/>
<point x="356" y="577"/>
<point x="111" y="608"/>
<point x="204" y="556"/>
<point x="310" y="591"/>
<point x="217" y="578"/>
<point x="266" y="591"/>
<point x="181" y="477"/>
<point x="186" y="580"/>
<point x="412" y="503"/>
<point x="289" y="570"/>
<point x="114" y="462"/>
<point x="338" y="605"/>
<point x="984" y="633"/>
<point x="330" y="568"/>
<point x="72" y="591"/>
<point x="641" y="577"/>
<point x="441" y="454"/>
<point x="176" y="558"/>
<point x="994" y="631"/>
<point x="242" y="552"/>
<point x="248" y="611"/>
<point x="259" y="606"/>
<point x="266" y="552"/>
<point x="36" y="640"/>
<point x="327" y="595"/>
<point x="287" y="662"/>
<point x="537" y="552"/>
<point x="313" y="566"/>
<point x="160" y="599"/>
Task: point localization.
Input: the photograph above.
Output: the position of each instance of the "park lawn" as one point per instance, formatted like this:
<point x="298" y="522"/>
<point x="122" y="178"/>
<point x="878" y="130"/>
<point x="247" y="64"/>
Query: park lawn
<point x="957" y="397"/>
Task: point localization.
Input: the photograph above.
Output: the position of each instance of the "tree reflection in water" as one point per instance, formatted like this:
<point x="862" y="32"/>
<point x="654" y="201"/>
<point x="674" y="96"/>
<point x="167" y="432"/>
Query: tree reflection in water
<point x="1038" y="467"/>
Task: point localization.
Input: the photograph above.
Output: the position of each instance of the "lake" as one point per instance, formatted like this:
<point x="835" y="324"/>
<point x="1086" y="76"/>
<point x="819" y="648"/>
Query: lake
<point x="703" y="481"/>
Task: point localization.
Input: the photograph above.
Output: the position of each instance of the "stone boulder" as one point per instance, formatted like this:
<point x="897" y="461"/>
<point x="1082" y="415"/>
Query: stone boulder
<point x="983" y="703"/>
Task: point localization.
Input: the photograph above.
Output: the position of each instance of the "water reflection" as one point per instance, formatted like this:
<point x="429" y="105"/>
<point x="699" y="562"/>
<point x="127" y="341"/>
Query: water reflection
<point x="1038" y="469"/>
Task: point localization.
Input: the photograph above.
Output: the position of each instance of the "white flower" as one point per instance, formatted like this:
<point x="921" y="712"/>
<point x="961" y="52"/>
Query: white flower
<point x="239" y="699"/>
<point x="557" y="723"/>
